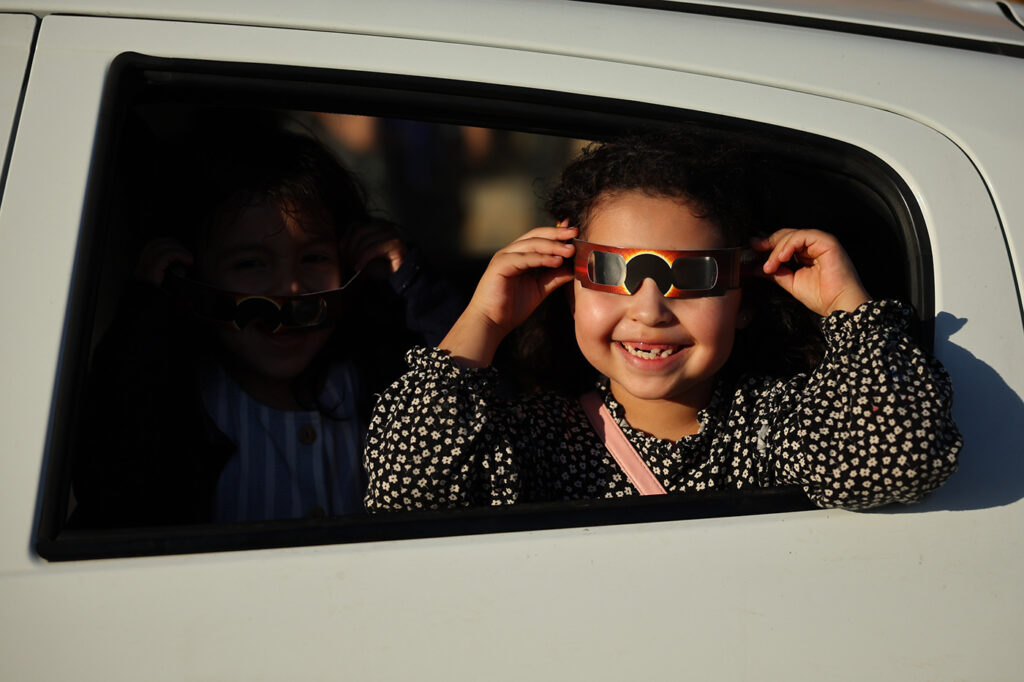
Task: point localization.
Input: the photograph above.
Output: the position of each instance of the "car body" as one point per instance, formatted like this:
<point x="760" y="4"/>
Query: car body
<point x="932" y="91"/>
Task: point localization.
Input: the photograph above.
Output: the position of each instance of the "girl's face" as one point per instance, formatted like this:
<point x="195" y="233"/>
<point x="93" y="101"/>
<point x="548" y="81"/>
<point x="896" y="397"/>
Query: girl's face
<point x="268" y="250"/>
<point x="650" y="347"/>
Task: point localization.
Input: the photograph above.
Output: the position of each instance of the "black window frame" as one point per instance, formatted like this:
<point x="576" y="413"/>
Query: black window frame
<point x="133" y="76"/>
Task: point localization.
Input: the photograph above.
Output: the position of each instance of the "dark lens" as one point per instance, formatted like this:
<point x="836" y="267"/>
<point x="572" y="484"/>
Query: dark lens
<point x="257" y="309"/>
<point x="305" y="313"/>
<point x="644" y="266"/>
<point x="606" y="268"/>
<point x="695" y="274"/>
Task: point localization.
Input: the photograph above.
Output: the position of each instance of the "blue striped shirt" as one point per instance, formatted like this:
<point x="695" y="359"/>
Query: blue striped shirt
<point x="288" y="464"/>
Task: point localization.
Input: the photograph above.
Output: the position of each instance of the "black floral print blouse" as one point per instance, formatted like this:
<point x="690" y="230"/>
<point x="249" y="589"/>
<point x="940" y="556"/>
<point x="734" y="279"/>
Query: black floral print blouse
<point x="871" y="425"/>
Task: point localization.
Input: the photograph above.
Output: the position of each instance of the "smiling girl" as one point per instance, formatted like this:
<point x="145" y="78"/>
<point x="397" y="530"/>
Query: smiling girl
<point x="650" y="240"/>
<point x="234" y="383"/>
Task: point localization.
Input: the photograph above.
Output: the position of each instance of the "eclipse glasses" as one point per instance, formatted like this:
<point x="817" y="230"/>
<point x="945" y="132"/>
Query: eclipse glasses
<point x="274" y="313"/>
<point x="677" y="274"/>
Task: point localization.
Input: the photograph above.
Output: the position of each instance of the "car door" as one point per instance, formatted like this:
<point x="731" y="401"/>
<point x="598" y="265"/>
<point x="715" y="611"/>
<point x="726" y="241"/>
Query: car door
<point x="924" y="592"/>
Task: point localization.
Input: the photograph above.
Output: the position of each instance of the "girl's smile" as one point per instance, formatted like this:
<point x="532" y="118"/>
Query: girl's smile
<point x="651" y="355"/>
<point x="654" y="350"/>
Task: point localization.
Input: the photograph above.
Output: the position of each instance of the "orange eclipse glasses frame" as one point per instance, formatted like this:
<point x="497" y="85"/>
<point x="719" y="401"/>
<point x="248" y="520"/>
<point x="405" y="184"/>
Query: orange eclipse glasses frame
<point x="677" y="274"/>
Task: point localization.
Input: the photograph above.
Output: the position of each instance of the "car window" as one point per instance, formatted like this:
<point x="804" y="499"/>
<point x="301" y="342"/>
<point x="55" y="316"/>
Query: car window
<point x="462" y="169"/>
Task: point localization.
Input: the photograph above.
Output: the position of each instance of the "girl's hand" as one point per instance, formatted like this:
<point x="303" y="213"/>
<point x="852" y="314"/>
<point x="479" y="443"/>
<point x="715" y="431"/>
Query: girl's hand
<point x="517" y="279"/>
<point x="160" y="255"/>
<point x="376" y="247"/>
<point x="827" y="280"/>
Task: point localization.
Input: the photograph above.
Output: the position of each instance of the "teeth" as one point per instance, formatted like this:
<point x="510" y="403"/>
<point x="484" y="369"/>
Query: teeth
<point x="649" y="354"/>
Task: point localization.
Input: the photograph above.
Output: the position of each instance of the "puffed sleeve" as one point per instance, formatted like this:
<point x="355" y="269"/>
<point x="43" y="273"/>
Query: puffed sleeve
<point x="872" y="424"/>
<point x="433" y="442"/>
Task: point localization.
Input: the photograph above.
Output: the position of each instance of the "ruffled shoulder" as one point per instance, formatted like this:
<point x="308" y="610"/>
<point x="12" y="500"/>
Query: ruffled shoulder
<point x="438" y="364"/>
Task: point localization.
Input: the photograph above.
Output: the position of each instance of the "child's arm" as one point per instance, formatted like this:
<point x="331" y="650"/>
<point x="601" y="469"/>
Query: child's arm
<point x="517" y="279"/>
<point x="444" y="436"/>
<point x="826" y="281"/>
<point x="871" y="425"/>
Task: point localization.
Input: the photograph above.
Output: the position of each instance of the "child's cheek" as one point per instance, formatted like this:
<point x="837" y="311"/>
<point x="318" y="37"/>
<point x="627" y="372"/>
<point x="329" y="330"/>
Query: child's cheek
<point x="596" y="315"/>
<point x="714" y="318"/>
<point x="595" y="312"/>
<point x="324" y="277"/>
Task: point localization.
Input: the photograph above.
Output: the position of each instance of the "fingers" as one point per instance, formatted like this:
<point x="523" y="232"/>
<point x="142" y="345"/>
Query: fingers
<point x="548" y="240"/>
<point x="561" y="233"/>
<point x="539" y="248"/>
<point x="553" y="279"/>
<point x="518" y="278"/>
<point x="787" y="244"/>
<point x="825" y="279"/>
<point x="523" y="273"/>
<point x="515" y="263"/>
<point x="392" y="251"/>
<point x="373" y="241"/>
<point x="545" y="246"/>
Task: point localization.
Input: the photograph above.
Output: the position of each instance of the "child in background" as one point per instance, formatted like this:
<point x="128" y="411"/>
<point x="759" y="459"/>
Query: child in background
<point x="192" y="419"/>
<point x="868" y="425"/>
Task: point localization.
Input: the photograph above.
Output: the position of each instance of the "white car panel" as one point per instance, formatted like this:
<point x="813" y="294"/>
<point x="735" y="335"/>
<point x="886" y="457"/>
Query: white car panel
<point x="929" y="592"/>
<point x="970" y="19"/>
<point x="981" y="19"/>
<point x="16" y="33"/>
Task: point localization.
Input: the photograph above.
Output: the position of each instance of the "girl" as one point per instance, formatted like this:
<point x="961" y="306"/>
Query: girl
<point x="223" y="390"/>
<point x="868" y="425"/>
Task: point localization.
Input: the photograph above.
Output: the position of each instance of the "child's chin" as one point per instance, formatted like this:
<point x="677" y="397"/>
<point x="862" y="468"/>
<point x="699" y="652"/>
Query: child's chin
<point x="655" y="391"/>
<point x="273" y="363"/>
<point x="280" y="369"/>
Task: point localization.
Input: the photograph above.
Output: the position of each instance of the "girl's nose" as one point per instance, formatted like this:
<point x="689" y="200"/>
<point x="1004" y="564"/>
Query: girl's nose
<point x="291" y="282"/>
<point x="648" y="306"/>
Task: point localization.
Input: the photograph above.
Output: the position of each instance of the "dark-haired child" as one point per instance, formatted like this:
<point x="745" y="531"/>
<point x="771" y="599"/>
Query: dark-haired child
<point x="650" y="239"/>
<point x="224" y="390"/>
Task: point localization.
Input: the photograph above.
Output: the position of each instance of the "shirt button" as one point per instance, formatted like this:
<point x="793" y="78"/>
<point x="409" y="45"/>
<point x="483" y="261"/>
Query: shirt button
<point x="307" y="435"/>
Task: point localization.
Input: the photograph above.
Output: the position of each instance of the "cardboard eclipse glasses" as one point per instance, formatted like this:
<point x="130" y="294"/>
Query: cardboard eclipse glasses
<point x="677" y="274"/>
<point x="274" y="313"/>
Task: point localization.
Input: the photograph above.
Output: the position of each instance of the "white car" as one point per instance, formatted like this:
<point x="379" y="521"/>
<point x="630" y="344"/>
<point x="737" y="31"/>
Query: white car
<point x="897" y="123"/>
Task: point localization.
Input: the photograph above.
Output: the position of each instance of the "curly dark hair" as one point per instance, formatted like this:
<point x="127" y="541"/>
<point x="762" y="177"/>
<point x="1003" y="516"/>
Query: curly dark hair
<point x="717" y="179"/>
<point x="228" y="161"/>
<point x="709" y="176"/>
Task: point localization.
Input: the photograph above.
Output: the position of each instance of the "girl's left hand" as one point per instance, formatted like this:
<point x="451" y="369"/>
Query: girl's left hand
<point x="826" y="282"/>
<point x="375" y="247"/>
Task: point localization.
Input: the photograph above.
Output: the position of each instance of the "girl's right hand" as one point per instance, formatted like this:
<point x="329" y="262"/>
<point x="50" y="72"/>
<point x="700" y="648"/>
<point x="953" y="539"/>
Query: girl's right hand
<point x="158" y="256"/>
<point x="517" y="279"/>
